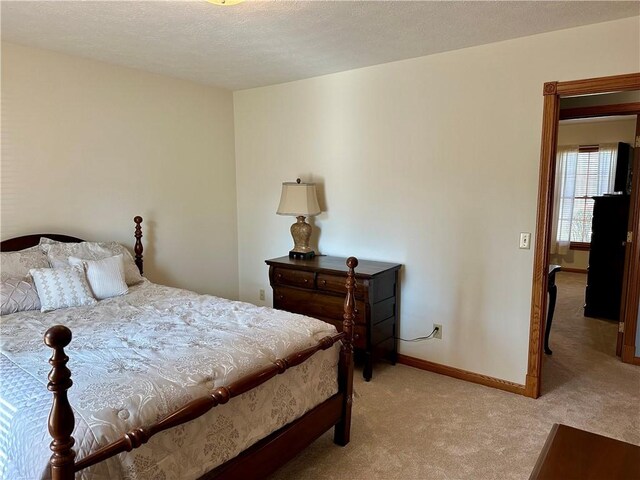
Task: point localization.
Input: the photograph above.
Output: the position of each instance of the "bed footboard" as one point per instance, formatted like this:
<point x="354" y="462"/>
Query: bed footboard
<point x="63" y="463"/>
<point x="61" y="419"/>
<point x="345" y="367"/>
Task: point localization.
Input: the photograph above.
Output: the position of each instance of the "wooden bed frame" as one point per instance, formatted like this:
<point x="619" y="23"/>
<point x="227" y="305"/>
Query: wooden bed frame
<point x="259" y="460"/>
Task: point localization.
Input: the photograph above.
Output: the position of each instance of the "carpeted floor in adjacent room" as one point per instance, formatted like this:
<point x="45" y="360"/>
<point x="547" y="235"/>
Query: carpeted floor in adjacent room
<point x="412" y="424"/>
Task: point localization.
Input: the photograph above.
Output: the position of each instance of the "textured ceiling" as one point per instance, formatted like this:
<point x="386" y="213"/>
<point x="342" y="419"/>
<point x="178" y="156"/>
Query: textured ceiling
<point x="262" y="43"/>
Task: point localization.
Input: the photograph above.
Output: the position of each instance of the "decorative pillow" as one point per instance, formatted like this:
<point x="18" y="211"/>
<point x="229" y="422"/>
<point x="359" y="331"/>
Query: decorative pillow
<point x="62" y="287"/>
<point x="131" y="272"/>
<point x="17" y="294"/>
<point x="106" y="276"/>
<point x="58" y="254"/>
<point x="18" y="264"/>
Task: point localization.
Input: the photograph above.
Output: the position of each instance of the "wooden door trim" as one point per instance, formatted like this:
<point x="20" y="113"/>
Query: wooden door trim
<point x="588" y="86"/>
<point x="626" y="306"/>
<point x="552" y="91"/>
<point x="630" y="307"/>
<point x="543" y="235"/>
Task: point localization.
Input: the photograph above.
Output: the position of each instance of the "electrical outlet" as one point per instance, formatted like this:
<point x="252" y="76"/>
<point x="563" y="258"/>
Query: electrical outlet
<point x="525" y="240"/>
<point x="438" y="334"/>
<point x="261" y="294"/>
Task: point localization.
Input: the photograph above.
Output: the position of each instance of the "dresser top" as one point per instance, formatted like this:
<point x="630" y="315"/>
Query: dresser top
<point x="325" y="263"/>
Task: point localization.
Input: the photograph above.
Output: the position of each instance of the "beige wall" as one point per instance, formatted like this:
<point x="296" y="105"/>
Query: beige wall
<point x="87" y="145"/>
<point x="575" y="259"/>
<point x="431" y="162"/>
<point x="591" y="133"/>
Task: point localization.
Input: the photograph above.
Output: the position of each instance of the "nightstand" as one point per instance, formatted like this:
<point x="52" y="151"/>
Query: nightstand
<point x="316" y="288"/>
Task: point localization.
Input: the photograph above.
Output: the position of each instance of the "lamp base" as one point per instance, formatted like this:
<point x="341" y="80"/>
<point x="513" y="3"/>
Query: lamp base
<point x="302" y="255"/>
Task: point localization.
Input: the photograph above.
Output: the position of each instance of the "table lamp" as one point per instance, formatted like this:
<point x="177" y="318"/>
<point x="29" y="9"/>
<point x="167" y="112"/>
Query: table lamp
<point x="299" y="200"/>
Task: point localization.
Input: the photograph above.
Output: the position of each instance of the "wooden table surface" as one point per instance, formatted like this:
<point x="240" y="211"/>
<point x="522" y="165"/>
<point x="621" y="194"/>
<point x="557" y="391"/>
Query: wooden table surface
<point x="570" y="453"/>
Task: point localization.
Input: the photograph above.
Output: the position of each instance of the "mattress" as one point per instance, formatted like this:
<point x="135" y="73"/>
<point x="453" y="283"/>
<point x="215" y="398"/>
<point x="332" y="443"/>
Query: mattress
<point x="141" y="356"/>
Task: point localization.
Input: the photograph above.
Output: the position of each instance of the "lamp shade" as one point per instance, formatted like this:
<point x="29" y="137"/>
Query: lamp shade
<point x="298" y="199"/>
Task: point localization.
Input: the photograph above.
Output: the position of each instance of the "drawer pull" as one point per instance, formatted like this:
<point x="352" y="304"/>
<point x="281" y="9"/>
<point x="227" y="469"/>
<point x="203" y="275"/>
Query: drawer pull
<point x="324" y="282"/>
<point x="281" y="297"/>
<point x="355" y="311"/>
<point x="306" y="280"/>
<point x="356" y="336"/>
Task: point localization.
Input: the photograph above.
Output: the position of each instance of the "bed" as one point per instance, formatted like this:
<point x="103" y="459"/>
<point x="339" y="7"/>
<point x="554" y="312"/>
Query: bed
<point x="149" y="368"/>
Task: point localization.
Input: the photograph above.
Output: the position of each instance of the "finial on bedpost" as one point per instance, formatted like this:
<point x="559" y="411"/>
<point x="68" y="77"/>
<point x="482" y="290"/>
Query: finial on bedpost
<point x="345" y="367"/>
<point x="61" y="419"/>
<point x="137" y="249"/>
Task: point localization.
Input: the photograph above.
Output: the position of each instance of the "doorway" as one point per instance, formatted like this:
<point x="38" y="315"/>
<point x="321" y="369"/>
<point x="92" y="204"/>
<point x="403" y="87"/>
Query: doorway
<point x="592" y="194"/>
<point x="554" y="92"/>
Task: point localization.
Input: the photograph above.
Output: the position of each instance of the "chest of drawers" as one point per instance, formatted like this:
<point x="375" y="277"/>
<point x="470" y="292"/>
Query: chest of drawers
<point x="606" y="257"/>
<point x="316" y="288"/>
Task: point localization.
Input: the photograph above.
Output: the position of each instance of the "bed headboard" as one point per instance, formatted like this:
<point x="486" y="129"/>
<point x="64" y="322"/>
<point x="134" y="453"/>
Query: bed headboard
<point x="20" y="243"/>
<point x="26" y="241"/>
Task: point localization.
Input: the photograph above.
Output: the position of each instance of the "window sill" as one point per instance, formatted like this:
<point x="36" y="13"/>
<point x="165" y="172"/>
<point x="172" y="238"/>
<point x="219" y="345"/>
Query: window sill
<point x="583" y="246"/>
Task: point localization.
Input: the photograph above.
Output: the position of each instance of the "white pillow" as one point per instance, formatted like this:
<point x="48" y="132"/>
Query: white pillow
<point x="58" y="254"/>
<point x="106" y="276"/>
<point x="18" y="264"/>
<point x="62" y="287"/>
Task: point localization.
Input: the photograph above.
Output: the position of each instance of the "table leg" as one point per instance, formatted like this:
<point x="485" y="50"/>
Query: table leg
<point x="553" y="292"/>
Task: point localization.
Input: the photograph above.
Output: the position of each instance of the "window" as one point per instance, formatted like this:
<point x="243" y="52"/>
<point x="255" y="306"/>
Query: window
<point x="587" y="183"/>
<point x="582" y="173"/>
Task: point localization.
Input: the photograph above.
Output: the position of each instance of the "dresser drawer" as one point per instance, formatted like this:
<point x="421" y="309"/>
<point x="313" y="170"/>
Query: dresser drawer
<point x="315" y="304"/>
<point x="295" y="278"/>
<point x="338" y="284"/>
<point x="383" y="331"/>
<point x="359" y="332"/>
<point x="359" y="336"/>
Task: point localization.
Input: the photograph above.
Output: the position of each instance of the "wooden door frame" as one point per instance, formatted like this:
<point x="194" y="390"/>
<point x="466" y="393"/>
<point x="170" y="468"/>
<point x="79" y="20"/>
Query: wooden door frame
<point x="552" y="93"/>
<point x="628" y="307"/>
<point x="632" y="293"/>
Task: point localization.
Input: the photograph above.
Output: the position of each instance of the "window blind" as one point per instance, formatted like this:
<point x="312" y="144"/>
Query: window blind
<point x="588" y="182"/>
<point x="593" y="176"/>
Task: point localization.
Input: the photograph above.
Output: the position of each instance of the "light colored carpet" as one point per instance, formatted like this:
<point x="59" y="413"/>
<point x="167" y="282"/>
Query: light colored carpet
<point x="412" y="424"/>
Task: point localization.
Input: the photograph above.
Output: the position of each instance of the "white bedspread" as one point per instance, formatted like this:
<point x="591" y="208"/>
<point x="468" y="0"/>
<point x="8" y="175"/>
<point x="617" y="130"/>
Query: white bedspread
<point x="136" y="358"/>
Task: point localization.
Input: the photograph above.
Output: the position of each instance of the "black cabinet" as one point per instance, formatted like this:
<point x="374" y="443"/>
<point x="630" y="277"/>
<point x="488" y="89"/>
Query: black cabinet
<point x="606" y="256"/>
<point x="624" y="169"/>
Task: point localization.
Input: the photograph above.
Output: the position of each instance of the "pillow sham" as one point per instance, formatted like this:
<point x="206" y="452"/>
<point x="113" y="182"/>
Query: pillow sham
<point x="105" y="277"/>
<point x="62" y="287"/>
<point x="18" y="264"/>
<point x="45" y="240"/>
<point x="58" y="254"/>
<point x="17" y="294"/>
<point x="131" y="272"/>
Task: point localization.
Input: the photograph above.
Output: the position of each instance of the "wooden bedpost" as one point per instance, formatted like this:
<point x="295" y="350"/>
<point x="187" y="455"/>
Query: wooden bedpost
<point x="61" y="419"/>
<point x="345" y="367"/>
<point x="137" y="249"/>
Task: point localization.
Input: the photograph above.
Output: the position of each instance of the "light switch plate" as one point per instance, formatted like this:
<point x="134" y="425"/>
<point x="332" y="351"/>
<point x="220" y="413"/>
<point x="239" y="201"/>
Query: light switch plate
<point x="525" y="240"/>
